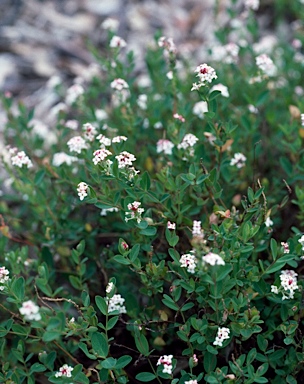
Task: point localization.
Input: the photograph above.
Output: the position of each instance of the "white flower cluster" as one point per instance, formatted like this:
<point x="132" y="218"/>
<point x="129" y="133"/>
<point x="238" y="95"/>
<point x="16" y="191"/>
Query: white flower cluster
<point x="103" y="140"/>
<point x="60" y="158"/>
<point x="206" y="74"/>
<point x="252" y="4"/>
<point x="3" y="277"/>
<point x="268" y="222"/>
<point x="89" y="131"/>
<point x="30" y="311"/>
<point x="222" y="88"/>
<point x="115" y="303"/>
<point x="196" y="229"/>
<point x="105" y="211"/>
<point x="222" y="334"/>
<point x="125" y="159"/>
<point x="65" y="370"/>
<point x="289" y="284"/>
<point x="109" y="287"/>
<point x="164" y="145"/>
<point x="171" y="226"/>
<point x="188" y="141"/>
<point x="238" y="160"/>
<point x="110" y="24"/>
<point x="100" y="155"/>
<point x="200" y="108"/>
<point x="82" y="190"/>
<point x="191" y="382"/>
<point x="166" y="361"/>
<point x="117" y="42"/>
<point x="76" y="144"/>
<point x="142" y="101"/>
<point x="167" y="43"/>
<point x="119" y="85"/>
<point x="188" y="261"/>
<point x="73" y="93"/>
<point x="213" y="259"/>
<point x="134" y="211"/>
<point x="119" y="139"/>
<point x="265" y="64"/>
<point x="302" y="119"/>
<point x="19" y="159"/>
<point x="228" y="53"/>
<point x="285" y="247"/>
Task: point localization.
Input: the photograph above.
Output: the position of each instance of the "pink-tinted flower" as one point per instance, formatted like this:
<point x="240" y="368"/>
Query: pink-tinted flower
<point x="252" y="4"/>
<point x="188" y="261"/>
<point x="119" y="84"/>
<point x="195" y="359"/>
<point x="63" y="158"/>
<point x="21" y="159"/>
<point x="188" y="141"/>
<point x="205" y="73"/>
<point x="289" y="283"/>
<point x="72" y="124"/>
<point x="222" y="334"/>
<point x="3" y="277"/>
<point x="65" y="370"/>
<point x="164" y="145"/>
<point x="135" y="212"/>
<point x="179" y="117"/>
<point x="171" y="226"/>
<point x="125" y="159"/>
<point x="30" y="311"/>
<point x="76" y="144"/>
<point x="285" y="247"/>
<point x="167" y="43"/>
<point x="110" y="24"/>
<point x="103" y="140"/>
<point x="191" y="382"/>
<point x="73" y="93"/>
<point x="82" y="190"/>
<point x="89" y="131"/>
<point x="265" y="64"/>
<point x="117" y="42"/>
<point x="238" y="160"/>
<point x="100" y="155"/>
<point x="213" y="259"/>
<point x="196" y="230"/>
<point x="166" y="361"/>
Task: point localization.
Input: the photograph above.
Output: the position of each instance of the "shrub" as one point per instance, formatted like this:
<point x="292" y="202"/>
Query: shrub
<point x="158" y="242"/>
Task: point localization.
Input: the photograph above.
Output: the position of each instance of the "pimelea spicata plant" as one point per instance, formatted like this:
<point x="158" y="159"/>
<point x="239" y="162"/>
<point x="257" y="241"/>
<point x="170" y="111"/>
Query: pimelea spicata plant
<point x="155" y="232"/>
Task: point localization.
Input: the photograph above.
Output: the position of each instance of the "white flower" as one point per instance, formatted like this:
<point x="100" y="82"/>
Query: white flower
<point x="65" y="370"/>
<point x="265" y="64"/>
<point x="274" y="289"/>
<point x="142" y="101"/>
<point x="115" y="303"/>
<point x="222" y="88"/>
<point x="252" y="4"/>
<point x="89" y="131"/>
<point x="125" y="159"/>
<point x="200" y="108"/>
<point x="134" y="211"/>
<point x="30" y="311"/>
<point x="158" y="125"/>
<point x="302" y="119"/>
<point x="171" y="225"/>
<point x="213" y="259"/>
<point x="169" y="75"/>
<point x="188" y="261"/>
<point x="285" y="247"/>
<point x="196" y="230"/>
<point x="105" y="141"/>
<point x="76" y="144"/>
<point x="100" y="155"/>
<point x="117" y="42"/>
<point x="165" y="146"/>
<point x="21" y="159"/>
<point x="110" y="24"/>
<point x="119" y="139"/>
<point x="82" y="190"/>
<point x="119" y="84"/>
<point x="109" y="287"/>
<point x="188" y="141"/>
<point x="253" y="109"/>
<point x="60" y="158"/>
<point x="206" y="74"/>
<point x="289" y="283"/>
<point x="222" y="334"/>
<point x="105" y="211"/>
<point x="166" y="361"/>
<point x="191" y="382"/>
<point x="3" y="277"/>
<point x="72" y="124"/>
<point x="167" y="43"/>
<point x="101" y="114"/>
<point x="301" y="241"/>
<point x="73" y="93"/>
<point x="268" y="222"/>
<point x="238" y="160"/>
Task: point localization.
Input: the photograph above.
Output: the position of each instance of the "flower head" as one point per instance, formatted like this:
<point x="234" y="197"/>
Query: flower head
<point x="188" y="261"/>
<point x="238" y="160"/>
<point x="109" y="287"/>
<point x="125" y="159"/>
<point x="206" y="74"/>
<point x="115" y="303"/>
<point x="265" y="64"/>
<point x="252" y="4"/>
<point x="285" y="247"/>
<point x="289" y="283"/>
<point x="119" y="85"/>
<point x="135" y="211"/>
<point x="30" y="311"/>
<point x="164" y="145"/>
<point x="167" y="43"/>
<point x="171" y="226"/>
<point x="222" y="334"/>
<point x="166" y="361"/>
<point x="188" y="141"/>
<point x="213" y="259"/>
<point x="82" y="190"/>
<point x="117" y="42"/>
<point x="73" y="93"/>
<point x="3" y="277"/>
<point x="200" y="108"/>
<point x="60" y="158"/>
<point x="100" y="155"/>
<point x="76" y="144"/>
<point x="179" y="117"/>
<point x="65" y="370"/>
<point x="89" y="131"/>
<point x="20" y="159"/>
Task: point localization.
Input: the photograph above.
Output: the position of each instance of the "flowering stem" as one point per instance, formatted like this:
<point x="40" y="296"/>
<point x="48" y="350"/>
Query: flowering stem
<point x="151" y="365"/>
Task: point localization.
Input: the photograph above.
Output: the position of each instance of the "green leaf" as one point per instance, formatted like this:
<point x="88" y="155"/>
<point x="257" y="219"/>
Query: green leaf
<point x="39" y="177"/>
<point x="223" y="271"/>
<point x="142" y="344"/>
<point x="145" y="376"/>
<point x="18" y="288"/>
<point x="170" y="303"/>
<point x="51" y="335"/>
<point x="134" y="252"/>
<point x="109" y="363"/>
<point x="101" y="304"/>
<point x="274" y="248"/>
<point x="85" y="350"/>
<point x="100" y="344"/>
<point x="75" y="282"/>
<point x="37" y="367"/>
<point x="123" y="361"/>
<point x="262" y="343"/>
<point x="150" y="231"/>
<point x="121" y="259"/>
<point x="210" y="361"/>
<point x="145" y="181"/>
<point x="112" y="322"/>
